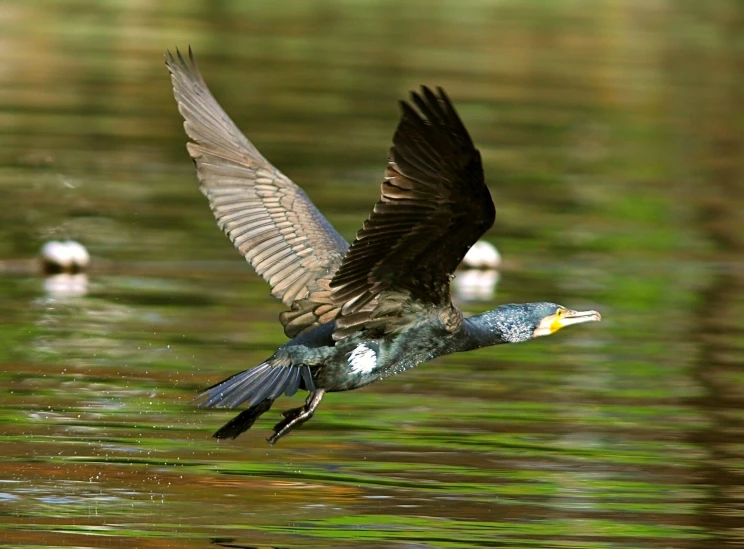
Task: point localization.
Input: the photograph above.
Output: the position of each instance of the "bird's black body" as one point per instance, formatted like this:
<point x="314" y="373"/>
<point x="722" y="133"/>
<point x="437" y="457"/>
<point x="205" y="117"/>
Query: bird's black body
<point x="367" y="311"/>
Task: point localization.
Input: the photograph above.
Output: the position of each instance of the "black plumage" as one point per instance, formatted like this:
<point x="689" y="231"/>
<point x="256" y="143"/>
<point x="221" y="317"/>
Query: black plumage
<point x="361" y="313"/>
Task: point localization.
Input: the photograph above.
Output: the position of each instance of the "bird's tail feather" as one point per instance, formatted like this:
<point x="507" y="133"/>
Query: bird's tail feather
<point x="255" y="386"/>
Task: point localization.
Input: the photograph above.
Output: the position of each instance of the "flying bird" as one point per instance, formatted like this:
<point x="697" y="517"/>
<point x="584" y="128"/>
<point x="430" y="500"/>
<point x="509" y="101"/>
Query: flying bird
<point x="360" y="313"/>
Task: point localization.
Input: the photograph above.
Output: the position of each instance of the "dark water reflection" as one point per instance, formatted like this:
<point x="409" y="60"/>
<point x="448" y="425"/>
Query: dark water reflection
<point x="612" y="141"/>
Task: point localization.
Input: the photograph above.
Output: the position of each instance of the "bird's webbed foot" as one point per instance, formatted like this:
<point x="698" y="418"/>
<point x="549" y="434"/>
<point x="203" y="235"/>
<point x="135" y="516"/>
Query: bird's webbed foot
<point x="296" y="416"/>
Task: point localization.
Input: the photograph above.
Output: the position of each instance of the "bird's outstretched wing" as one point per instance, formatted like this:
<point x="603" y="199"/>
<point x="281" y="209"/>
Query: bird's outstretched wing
<point x="434" y="206"/>
<point x="269" y="219"/>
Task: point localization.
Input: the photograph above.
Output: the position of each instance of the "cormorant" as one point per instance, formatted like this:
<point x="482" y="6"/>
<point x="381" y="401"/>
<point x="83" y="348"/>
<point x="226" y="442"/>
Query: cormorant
<point x="358" y="313"/>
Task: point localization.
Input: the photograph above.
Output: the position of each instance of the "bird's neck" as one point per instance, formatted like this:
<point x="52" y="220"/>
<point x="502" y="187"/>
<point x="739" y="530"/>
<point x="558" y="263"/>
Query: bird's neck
<point x="491" y="328"/>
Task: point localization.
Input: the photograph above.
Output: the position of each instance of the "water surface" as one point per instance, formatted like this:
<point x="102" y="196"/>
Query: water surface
<point x="612" y="141"/>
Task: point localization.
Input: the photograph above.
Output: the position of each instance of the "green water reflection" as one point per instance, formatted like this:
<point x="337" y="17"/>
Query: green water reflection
<point x="612" y="140"/>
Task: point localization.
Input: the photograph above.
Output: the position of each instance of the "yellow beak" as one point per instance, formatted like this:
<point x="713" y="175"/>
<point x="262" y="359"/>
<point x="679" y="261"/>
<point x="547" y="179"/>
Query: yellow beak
<point x="565" y="317"/>
<point x="574" y="317"/>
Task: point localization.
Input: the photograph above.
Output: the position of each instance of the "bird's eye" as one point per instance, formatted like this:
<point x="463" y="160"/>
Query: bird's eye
<point x="559" y="313"/>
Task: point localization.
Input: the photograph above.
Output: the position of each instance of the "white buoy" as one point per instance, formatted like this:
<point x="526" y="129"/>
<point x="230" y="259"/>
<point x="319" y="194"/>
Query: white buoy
<point x="477" y="278"/>
<point x="64" y="257"/>
<point x="482" y="255"/>
<point x="80" y="256"/>
<point x="475" y="284"/>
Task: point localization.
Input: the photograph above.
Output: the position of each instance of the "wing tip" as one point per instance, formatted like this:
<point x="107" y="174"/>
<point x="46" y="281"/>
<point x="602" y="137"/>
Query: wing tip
<point x="426" y="100"/>
<point x="177" y="64"/>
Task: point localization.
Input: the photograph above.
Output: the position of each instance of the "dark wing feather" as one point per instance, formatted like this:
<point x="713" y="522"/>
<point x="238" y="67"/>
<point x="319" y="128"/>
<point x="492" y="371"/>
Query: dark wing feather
<point x="434" y="206"/>
<point x="269" y="219"/>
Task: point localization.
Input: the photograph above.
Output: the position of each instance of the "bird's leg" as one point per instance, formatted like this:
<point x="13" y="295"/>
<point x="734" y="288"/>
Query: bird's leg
<point x="296" y="416"/>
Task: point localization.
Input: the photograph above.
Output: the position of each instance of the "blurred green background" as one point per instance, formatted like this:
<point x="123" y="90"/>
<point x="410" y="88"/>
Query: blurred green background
<point x="612" y="136"/>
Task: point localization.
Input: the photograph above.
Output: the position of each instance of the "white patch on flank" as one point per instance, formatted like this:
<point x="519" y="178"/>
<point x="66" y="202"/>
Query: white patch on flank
<point x="362" y="359"/>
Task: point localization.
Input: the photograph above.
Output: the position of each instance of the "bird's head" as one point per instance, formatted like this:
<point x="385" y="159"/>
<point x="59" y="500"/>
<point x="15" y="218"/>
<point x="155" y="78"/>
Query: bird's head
<point x="548" y="318"/>
<point x="519" y="322"/>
